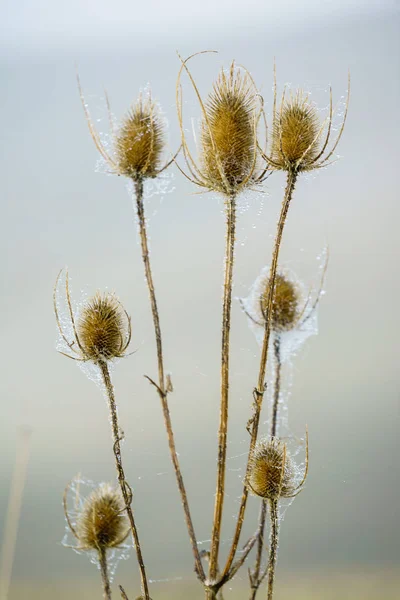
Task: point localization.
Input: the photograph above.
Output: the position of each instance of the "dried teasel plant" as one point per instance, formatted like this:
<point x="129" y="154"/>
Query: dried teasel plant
<point x="228" y="163"/>
<point x="139" y="144"/>
<point x="272" y="476"/>
<point x="100" y="525"/>
<point x="101" y="333"/>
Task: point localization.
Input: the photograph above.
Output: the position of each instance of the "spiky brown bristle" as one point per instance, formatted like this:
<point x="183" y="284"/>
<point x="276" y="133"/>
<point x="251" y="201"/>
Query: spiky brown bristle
<point x="295" y="140"/>
<point x="101" y="523"/>
<point x="285" y="307"/>
<point x="228" y="134"/>
<point x="140" y="141"/>
<point x="272" y="471"/>
<point x="103" y="328"/>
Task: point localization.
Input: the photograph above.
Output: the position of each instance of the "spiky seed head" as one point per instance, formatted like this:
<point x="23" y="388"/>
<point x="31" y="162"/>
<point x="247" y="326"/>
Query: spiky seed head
<point x="103" y="328"/>
<point x="295" y="139"/>
<point x="285" y="307"/>
<point x="101" y="523"/>
<point x="272" y="472"/>
<point x="140" y="141"/>
<point x="228" y="140"/>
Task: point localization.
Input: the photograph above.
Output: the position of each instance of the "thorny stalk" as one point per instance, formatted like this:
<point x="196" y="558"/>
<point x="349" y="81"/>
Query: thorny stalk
<point x="162" y="387"/>
<point x="223" y="425"/>
<point x="273" y="545"/>
<point x="255" y="578"/>
<point x="125" y="488"/>
<point x="259" y="391"/>
<point x="104" y="574"/>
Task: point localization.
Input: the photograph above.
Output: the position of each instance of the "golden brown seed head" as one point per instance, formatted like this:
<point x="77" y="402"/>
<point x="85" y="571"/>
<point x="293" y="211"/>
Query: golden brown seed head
<point x="228" y="140"/>
<point x="272" y="473"/>
<point x="285" y="304"/>
<point x="140" y="141"/>
<point x="102" y="524"/>
<point x="295" y="139"/>
<point x="103" y="328"/>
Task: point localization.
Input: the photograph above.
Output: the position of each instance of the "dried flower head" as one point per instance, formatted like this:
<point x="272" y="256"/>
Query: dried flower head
<point x="272" y="471"/>
<point x="228" y="137"/>
<point x="285" y="306"/>
<point x="139" y="141"/>
<point x="101" y="522"/>
<point x="297" y="134"/>
<point x="102" y="331"/>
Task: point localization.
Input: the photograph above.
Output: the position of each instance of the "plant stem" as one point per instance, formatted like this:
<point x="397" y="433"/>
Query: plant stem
<point x="104" y="574"/>
<point x="125" y="488"/>
<point x="273" y="545"/>
<point x="259" y="391"/>
<point x="161" y="387"/>
<point x="223" y="424"/>
<point x="256" y="579"/>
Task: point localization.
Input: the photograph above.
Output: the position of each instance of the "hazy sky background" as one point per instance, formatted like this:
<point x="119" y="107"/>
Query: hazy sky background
<point x="58" y="211"/>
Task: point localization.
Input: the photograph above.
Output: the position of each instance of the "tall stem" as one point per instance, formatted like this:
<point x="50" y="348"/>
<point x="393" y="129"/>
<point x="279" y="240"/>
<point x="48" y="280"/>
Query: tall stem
<point x="161" y="387"/>
<point x="125" y="488"/>
<point x="256" y="579"/>
<point x="273" y="545"/>
<point x="223" y="423"/>
<point x="104" y="574"/>
<point x="259" y="391"/>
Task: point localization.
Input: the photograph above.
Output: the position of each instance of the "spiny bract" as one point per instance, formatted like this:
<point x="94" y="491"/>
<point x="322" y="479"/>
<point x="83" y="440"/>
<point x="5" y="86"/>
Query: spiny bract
<point x="285" y="303"/>
<point x="103" y="328"/>
<point x="272" y="473"/>
<point x="140" y="141"/>
<point x="101" y="523"/>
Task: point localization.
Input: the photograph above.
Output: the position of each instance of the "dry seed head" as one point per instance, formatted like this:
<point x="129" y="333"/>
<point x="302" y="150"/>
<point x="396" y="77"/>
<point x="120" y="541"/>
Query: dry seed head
<point x="285" y="307"/>
<point x="140" y="141"/>
<point x="295" y="135"/>
<point x="103" y="328"/>
<point x="228" y="140"/>
<point x="272" y="472"/>
<point x="101" y="523"/>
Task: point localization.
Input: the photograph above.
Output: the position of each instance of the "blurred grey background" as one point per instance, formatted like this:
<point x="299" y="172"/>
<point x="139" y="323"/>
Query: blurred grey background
<point x="340" y="538"/>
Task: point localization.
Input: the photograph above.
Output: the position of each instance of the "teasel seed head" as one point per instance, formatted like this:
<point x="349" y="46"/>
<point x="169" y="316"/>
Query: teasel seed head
<point x="228" y="160"/>
<point x="102" y="331"/>
<point x="140" y="141"/>
<point x="297" y="133"/>
<point x="101" y="522"/>
<point x="285" y="306"/>
<point x="102" y="327"/>
<point x="272" y="473"/>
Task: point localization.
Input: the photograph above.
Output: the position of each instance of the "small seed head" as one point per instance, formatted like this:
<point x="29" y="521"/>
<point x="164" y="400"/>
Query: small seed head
<point x="285" y="307"/>
<point x="272" y="474"/>
<point x="103" y="328"/>
<point x="228" y="134"/>
<point x="140" y="141"/>
<point x="295" y="140"/>
<point x="102" y="524"/>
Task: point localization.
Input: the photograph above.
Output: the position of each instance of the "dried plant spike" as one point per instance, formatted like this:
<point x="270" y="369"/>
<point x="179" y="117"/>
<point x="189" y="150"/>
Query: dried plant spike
<point x="102" y="523"/>
<point x="285" y="307"/>
<point x="140" y="141"/>
<point x="297" y="133"/>
<point x="103" y="328"/>
<point x="272" y="473"/>
<point x="228" y="135"/>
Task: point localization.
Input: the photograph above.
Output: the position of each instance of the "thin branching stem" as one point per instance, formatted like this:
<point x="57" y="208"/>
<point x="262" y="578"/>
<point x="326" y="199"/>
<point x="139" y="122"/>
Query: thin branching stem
<point x="256" y="579"/>
<point x="223" y="423"/>
<point x="259" y="391"/>
<point x="273" y="545"/>
<point x="162" y="387"/>
<point x="125" y="488"/>
<point x="104" y="574"/>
